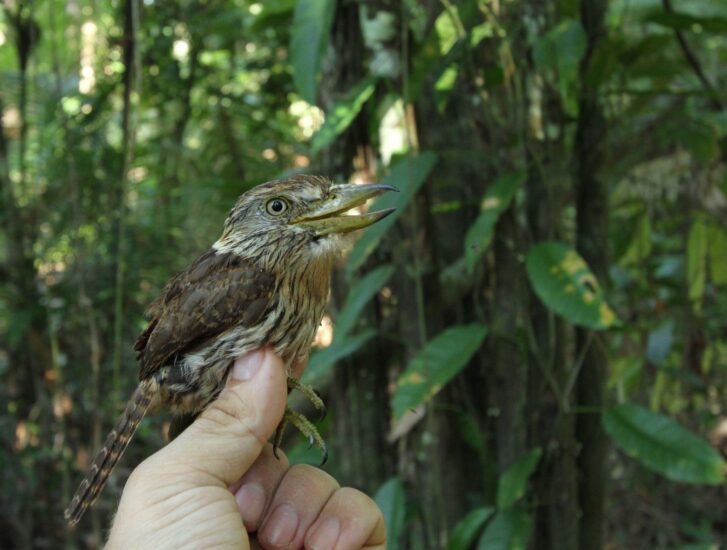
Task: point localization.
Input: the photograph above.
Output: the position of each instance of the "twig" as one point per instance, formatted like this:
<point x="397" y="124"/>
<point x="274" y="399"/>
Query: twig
<point x="693" y="61"/>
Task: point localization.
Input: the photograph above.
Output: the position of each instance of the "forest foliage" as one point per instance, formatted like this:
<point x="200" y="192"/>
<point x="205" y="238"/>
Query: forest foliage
<point x="529" y="353"/>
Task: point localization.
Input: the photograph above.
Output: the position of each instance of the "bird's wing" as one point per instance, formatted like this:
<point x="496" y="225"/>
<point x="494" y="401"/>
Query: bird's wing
<point x="216" y="292"/>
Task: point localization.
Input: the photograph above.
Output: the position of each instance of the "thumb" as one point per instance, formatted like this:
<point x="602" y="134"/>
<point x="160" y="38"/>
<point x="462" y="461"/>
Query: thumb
<point x="224" y="441"/>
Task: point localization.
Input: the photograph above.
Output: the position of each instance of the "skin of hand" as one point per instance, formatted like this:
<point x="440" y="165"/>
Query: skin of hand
<point x="218" y="482"/>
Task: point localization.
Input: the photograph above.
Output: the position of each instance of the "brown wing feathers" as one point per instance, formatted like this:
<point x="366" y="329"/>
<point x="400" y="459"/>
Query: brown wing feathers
<point x="215" y="293"/>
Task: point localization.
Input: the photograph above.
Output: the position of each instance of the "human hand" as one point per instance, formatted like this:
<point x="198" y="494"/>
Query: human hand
<point x="218" y="481"/>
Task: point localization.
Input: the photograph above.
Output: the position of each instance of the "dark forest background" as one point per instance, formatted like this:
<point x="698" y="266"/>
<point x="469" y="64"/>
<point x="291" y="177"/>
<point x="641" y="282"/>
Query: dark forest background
<point x="531" y="353"/>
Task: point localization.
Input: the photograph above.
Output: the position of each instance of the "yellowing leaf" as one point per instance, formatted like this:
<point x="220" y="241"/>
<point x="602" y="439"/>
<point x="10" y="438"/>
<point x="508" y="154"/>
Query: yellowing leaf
<point x="443" y="357"/>
<point x="565" y="284"/>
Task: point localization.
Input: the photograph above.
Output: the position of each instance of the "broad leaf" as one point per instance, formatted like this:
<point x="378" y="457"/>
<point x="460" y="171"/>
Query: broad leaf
<point x="697" y="261"/>
<point x="562" y="280"/>
<point x="717" y="248"/>
<point x="308" y="42"/>
<point x="640" y="246"/>
<point x="391" y="499"/>
<point x="441" y="359"/>
<point x="465" y="532"/>
<point x="496" y="200"/>
<point x="358" y="297"/>
<point x="407" y="175"/>
<point x="340" y="116"/>
<point x="509" y="530"/>
<point x="561" y="50"/>
<point x="512" y="484"/>
<point x="662" y="445"/>
<point x="322" y="360"/>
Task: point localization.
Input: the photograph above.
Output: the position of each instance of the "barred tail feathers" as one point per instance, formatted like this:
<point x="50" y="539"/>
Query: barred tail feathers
<point x="112" y="450"/>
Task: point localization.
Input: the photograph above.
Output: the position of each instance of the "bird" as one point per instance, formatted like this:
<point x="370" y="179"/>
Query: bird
<point x="264" y="282"/>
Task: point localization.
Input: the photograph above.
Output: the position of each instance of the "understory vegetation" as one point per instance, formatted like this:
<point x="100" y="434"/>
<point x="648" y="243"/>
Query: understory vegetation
<point x="531" y="352"/>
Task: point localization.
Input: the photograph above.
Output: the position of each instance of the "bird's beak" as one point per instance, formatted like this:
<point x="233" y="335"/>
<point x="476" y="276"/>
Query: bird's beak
<point x="324" y="217"/>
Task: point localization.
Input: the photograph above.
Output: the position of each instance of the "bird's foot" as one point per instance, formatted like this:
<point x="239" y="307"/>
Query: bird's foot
<point x="305" y="427"/>
<point x="309" y="393"/>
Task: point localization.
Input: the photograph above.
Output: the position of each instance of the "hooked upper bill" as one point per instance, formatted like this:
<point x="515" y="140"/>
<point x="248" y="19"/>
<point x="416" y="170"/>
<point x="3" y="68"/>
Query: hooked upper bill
<point x="324" y="217"/>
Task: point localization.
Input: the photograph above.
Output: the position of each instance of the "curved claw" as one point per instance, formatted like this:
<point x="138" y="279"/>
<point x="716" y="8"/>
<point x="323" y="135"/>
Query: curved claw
<point x="325" y="456"/>
<point x="323" y="410"/>
<point x="278" y="439"/>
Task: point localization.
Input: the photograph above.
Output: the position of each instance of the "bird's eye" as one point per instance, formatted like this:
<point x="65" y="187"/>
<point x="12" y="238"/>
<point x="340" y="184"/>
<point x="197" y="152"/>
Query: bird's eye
<point x="275" y="207"/>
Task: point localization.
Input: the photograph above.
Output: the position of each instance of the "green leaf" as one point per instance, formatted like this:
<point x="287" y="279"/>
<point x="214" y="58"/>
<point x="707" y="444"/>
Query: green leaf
<point x="446" y="27"/>
<point x="662" y="445"/>
<point x="717" y="249"/>
<point x="308" y="42"/>
<point x="391" y="499"/>
<point x="697" y="260"/>
<point x="358" y="297"/>
<point x="442" y="358"/>
<point x="340" y="116"/>
<point x="561" y="50"/>
<point x="322" y="360"/>
<point x="512" y="484"/>
<point x="496" y="200"/>
<point x="509" y="530"/>
<point x="562" y="280"/>
<point x="407" y="175"/>
<point x="443" y="86"/>
<point x="640" y="246"/>
<point x="465" y="532"/>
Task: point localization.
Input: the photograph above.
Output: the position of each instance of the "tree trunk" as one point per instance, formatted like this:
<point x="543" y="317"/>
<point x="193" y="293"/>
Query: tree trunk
<point x="592" y="243"/>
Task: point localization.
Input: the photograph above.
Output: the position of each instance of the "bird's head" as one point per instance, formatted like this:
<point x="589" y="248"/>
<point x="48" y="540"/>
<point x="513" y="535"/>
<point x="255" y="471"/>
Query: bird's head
<point x="303" y="215"/>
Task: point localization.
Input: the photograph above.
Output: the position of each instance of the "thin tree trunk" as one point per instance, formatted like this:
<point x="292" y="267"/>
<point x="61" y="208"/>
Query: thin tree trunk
<point x="592" y="243"/>
<point x="550" y="426"/>
<point x="508" y="366"/>
<point x="127" y="152"/>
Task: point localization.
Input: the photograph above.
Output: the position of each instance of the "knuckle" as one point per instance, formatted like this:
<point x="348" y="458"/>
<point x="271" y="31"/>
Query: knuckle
<point x="358" y="500"/>
<point x="313" y="475"/>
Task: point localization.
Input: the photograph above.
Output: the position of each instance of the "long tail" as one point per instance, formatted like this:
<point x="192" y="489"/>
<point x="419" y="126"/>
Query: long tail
<point x="104" y="462"/>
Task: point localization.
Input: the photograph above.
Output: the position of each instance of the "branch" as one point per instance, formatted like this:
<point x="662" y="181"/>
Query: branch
<point x="694" y="62"/>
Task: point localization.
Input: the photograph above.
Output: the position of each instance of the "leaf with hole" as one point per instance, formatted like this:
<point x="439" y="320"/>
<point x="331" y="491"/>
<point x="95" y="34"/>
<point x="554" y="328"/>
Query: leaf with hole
<point x="565" y="284"/>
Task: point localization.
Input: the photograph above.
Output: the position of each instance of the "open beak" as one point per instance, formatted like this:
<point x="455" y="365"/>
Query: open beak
<point x="324" y="218"/>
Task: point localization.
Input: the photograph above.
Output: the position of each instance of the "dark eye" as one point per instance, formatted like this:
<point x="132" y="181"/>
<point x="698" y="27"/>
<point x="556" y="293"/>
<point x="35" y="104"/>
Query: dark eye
<point x="275" y="207"/>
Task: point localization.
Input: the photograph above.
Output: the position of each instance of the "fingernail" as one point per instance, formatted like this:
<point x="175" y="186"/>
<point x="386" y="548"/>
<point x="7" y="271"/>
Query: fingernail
<point x="281" y="526"/>
<point x="246" y="366"/>
<point x="325" y="535"/>
<point x="251" y="503"/>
